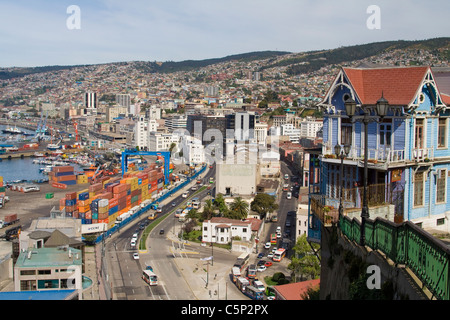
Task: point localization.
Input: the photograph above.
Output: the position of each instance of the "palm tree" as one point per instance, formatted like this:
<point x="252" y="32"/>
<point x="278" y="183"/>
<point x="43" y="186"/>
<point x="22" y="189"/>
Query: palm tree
<point x="238" y="209"/>
<point x="208" y="210"/>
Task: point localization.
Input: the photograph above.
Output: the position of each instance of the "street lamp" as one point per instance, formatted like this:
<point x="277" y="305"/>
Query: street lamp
<point x="341" y="152"/>
<point x="381" y="109"/>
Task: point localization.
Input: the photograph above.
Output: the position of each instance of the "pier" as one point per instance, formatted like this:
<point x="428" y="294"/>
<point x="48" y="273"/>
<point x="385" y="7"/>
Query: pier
<point x="23" y="154"/>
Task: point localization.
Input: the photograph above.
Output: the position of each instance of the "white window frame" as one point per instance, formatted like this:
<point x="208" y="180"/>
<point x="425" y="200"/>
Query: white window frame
<point x="423" y="190"/>
<point x="443" y="173"/>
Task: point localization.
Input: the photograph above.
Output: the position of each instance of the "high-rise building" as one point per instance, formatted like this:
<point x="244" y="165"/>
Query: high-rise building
<point x="123" y="100"/>
<point x="90" y="102"/>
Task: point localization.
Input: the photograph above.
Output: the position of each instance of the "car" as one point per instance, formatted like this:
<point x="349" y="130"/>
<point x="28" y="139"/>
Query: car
<point x="267" y="245"/>
<point x="159" y="210"/>
<point x="268" y="264"/>
<point x="261" y="269"/>
<point x="289" y="195"/>
<point x="174" y="204"/>
<point x="136" y="256"/>
<point x="278" y="235"/>
<point x="185" y="195"/>
<point x="270" y="255"/>
<point x="161" y="231"/>
<point x="260" y="255"/>
<point x="261" y="262"/>
<point x="149" y="268"/>
<point x="274" y="249"/>
<point x="278" y="228"/>
<point x="133" y="242"/>
<point x="194" y="188"/>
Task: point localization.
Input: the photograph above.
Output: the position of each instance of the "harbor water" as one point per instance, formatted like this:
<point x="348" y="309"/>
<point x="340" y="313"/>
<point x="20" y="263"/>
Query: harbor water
<point x="22" y="169"/>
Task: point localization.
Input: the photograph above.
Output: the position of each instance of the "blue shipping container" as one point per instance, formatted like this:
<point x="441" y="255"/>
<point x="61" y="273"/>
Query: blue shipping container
<point x="83" y="196"/>
<point x="71" y="202"/>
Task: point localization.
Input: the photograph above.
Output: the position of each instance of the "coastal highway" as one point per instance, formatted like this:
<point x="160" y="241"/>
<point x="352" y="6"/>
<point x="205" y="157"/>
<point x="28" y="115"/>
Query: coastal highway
<point x="124" y="272"/>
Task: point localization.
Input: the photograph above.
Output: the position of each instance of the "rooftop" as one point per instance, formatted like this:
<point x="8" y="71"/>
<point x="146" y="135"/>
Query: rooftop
<point x="49" y="257"/>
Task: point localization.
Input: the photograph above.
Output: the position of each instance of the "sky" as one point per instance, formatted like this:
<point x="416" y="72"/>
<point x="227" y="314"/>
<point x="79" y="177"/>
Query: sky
<point x="45" y="32"/>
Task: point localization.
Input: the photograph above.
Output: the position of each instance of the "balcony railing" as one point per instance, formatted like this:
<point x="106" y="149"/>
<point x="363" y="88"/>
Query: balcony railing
<point x="325" y="207"/>
<point x="422" y="154"/>
<point x="407" y="244"/>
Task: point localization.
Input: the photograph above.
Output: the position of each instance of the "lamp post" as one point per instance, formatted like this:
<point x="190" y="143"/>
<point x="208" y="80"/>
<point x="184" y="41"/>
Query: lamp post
<point x="341" y="152"/>
<point x="381" y="109"/>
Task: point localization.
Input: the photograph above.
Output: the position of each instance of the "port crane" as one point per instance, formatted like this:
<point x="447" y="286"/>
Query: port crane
<point x="42" y="126"/>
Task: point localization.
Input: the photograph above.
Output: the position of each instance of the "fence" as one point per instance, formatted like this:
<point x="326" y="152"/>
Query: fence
<point x="409" y="245"/>
<point x="109" y="232"/>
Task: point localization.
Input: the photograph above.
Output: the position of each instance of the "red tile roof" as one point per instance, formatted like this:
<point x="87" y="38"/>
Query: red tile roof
<point x="398" y="85"/>
<point x="445" y="99"/>
<point x="295" y="291"/>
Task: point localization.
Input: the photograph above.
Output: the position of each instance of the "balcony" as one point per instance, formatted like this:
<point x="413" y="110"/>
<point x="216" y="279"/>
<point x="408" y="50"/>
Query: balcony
<point x="385" y="156"/>
<point x="383" y="201"/>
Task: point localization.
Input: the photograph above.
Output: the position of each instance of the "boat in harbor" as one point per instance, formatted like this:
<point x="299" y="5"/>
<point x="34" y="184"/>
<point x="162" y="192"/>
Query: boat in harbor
<point x="11" y="130"/>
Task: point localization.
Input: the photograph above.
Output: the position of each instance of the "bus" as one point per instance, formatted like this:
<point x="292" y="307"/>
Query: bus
<point x="196" y="203"/>
<point x="236" y="273"/>
<point x="150" y="277"/>
<point x="251" y="271"/>
<point x="279" y="255"/>
<point x="253" y="293"/>
<point x="242" y="261"/>
<point x="273" y="238"/>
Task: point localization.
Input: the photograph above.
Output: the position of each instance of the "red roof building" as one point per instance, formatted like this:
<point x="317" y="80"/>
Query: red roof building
<point x="295" y="291"/>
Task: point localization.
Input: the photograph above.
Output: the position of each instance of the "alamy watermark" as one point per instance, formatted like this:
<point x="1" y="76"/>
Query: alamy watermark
<point x="374" y="280"/>
<point x="74" y="20"/>
<point x="374" y="20"/>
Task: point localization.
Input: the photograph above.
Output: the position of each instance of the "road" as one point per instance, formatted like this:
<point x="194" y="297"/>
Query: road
<point x="125" y="271"/>
<point x="286" y="212"/>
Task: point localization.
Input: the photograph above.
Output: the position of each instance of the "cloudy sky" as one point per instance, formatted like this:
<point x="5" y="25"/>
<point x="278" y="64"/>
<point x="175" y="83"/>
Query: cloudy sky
<point x="36" y="32"/>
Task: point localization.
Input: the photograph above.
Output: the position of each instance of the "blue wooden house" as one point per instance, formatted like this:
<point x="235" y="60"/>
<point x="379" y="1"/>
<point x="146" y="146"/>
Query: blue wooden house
<point x="408" y="149"/>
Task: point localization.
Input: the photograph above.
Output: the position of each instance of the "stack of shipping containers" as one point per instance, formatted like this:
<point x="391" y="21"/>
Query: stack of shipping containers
<point x="63" y="174"/>
<point x="105" y="201"/>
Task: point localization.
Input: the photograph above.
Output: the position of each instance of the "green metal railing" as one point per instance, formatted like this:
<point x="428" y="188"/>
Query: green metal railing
<point x="406" y="244"/>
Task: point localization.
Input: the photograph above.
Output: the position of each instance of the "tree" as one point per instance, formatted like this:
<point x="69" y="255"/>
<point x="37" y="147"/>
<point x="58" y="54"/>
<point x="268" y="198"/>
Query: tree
<point x="304" y="262"/>
<point x="263" y="204"/>
<point x="208" y="210"/>
<point x="238" y="209"/>
<point x="193" y="214"/>
<point x="220" y="204"/>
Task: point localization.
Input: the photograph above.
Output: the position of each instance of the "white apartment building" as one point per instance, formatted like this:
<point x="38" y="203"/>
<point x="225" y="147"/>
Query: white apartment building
<point x="309" y="127"/>
<point x="176" y="122"/>
<point x="114" y="112"/>
<point x="290" y="131"/>
<point x="154" y="113"/>
<point x="142" y="130"/>
<point x="301" y="220"/>
<point x="223" y="230"/>
<point x="193" y="150"/>
<point x="261" y="133"/>
<point x="159" y="141"/>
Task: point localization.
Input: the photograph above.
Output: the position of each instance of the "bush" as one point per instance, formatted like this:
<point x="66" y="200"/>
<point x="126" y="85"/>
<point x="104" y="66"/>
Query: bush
<point x="278" y="276"/>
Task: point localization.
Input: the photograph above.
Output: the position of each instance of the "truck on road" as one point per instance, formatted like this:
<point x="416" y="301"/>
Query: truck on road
<point x="8" y="220"/>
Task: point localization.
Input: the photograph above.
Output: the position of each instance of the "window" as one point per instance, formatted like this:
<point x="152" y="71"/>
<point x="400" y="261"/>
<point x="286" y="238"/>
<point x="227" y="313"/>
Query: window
<point x="27" y="272"/>
<point x="346" y="134"/>
<point x="441" y="179"/>
<point x="418" y="189"/>
<point x="440" y="222"/>
<point x="44" y="271"/>
<point x="442" y="133"/>
<point x="385" y="135"/>
<point x="419" y="136"/>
